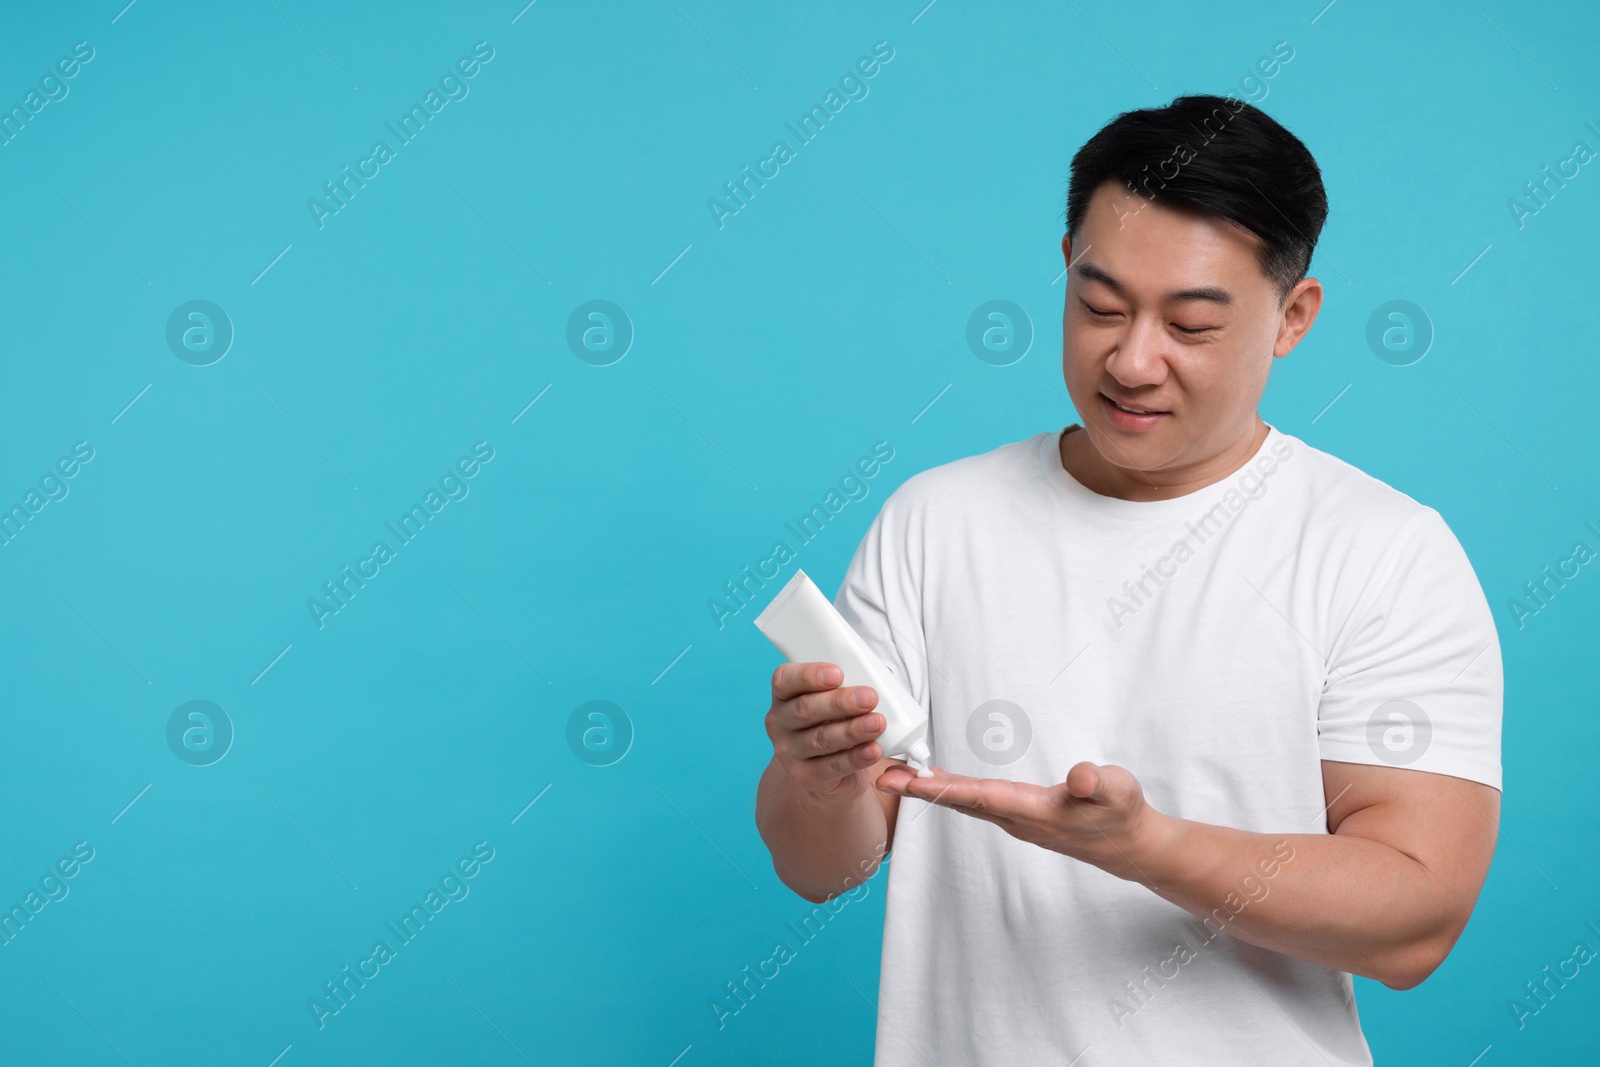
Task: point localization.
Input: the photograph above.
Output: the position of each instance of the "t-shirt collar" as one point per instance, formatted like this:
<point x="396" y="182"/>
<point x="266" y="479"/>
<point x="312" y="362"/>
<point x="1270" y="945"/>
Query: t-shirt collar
<point x="1084" y="497"/>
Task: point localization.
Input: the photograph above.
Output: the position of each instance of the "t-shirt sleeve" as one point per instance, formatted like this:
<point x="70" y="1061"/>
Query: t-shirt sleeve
<point x="1415" y="680"/>
<point x="880" y="596"/>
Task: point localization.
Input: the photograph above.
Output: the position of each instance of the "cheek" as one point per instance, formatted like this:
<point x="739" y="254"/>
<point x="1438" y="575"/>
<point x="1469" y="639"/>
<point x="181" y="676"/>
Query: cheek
<point x="1225" y="376"/>
<point x="1255" y="355"/>
<point x="1088" y="346"/>
<point x="1269" y="338"/>
<point x="1085" y="343"/>
<point x="1079" y="361"/>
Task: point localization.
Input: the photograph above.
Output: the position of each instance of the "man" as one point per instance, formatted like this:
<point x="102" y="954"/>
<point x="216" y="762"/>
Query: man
<point x="1216" y="716"/>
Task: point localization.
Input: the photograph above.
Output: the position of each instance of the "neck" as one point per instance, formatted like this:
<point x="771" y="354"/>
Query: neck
<point x="1115" y="476"/>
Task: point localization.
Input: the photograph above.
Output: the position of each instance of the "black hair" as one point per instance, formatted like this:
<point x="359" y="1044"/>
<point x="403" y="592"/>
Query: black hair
<point x="1232" y="161"/>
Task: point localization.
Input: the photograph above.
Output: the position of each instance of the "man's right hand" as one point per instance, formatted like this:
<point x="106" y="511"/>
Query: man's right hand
<point x="822" y="734"/>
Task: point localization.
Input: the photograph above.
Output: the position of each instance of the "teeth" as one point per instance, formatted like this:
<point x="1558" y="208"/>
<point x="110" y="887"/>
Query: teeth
<point x="1132" y="411"/>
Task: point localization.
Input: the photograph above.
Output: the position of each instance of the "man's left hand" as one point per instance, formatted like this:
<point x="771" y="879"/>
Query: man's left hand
<point x="1098" y="815"/>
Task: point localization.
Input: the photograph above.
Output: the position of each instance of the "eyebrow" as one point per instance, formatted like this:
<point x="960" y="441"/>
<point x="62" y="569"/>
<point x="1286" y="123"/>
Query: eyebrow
<point x="1215" y="294"/>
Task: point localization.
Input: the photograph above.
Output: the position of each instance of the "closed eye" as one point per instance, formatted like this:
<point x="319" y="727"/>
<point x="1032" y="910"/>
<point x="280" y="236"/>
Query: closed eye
<point x="1100" y="314"/>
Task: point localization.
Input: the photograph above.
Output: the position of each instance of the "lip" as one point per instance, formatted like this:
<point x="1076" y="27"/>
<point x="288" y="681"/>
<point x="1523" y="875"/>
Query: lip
<point x="1127" y="420"/>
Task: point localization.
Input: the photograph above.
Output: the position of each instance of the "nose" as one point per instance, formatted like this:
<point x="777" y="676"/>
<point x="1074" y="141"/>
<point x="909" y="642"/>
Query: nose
<point x="1139" y="359"/>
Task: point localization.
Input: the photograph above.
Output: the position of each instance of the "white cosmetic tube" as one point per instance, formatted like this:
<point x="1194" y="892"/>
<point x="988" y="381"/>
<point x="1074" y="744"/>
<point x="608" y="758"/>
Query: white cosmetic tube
<point x="807" y="628"/>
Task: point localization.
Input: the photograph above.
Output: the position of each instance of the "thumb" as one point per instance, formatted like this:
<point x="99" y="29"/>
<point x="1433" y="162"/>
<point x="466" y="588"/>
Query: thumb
<point x="1107" y="785"/>
<point x="1084" y="781"/>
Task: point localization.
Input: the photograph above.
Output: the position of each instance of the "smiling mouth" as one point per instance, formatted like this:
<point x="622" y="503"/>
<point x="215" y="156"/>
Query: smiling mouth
<point x="1131" y="410"/>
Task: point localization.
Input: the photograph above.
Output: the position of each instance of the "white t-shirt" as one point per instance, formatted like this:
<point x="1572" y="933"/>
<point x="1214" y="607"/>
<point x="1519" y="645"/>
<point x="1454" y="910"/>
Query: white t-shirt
<point x="1219" y="645"/>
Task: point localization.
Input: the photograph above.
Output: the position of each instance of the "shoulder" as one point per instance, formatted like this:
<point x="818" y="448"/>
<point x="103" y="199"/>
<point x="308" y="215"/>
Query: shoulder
<point x="1338" y="495"/>
<point x="961" y="483"/>
<point x="1365" y="527"/>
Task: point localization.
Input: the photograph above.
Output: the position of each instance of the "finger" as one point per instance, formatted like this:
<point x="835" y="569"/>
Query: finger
<point x="1107" y="786"/>
<point x="899" y="776"/>
<point x="893" y="779"/>
<point x="811" y="709"/>
<point x="827" y="770"/>
<point x="792" y="679"/>
<point x="1083" y="781"/>
<point x="1002" y="797"/>
<point x="903" y="774"/>
<point x="831" y="737"/>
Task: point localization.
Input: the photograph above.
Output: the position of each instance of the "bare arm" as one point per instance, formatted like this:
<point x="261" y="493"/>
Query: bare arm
<point x="1384" y="895"/>
<point x="825" y="825"/>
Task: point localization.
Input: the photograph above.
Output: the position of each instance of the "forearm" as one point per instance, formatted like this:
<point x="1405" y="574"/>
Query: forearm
<point x="821" y="846"/>
<point x="1344" y="902"/>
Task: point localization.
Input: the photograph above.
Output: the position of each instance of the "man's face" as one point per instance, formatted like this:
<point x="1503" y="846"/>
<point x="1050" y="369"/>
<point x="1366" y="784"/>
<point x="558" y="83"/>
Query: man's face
<point x="1168" y="311"/>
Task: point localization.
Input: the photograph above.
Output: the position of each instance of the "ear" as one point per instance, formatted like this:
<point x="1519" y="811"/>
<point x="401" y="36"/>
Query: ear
<point x="1300" y="309"/>
<point x="1066" y="249"/>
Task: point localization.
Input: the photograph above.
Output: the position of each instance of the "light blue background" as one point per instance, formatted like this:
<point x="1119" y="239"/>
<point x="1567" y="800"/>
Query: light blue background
<point x="826" y="316"/>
